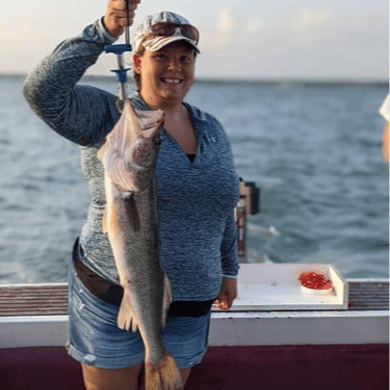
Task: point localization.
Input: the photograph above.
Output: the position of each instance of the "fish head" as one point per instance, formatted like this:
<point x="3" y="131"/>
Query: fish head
<point x="141" y="155"/>
<point x="144" y="150"/>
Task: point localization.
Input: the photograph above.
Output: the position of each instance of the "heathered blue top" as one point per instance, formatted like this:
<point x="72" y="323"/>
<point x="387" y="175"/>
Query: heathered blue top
<point x="195" y="201"/>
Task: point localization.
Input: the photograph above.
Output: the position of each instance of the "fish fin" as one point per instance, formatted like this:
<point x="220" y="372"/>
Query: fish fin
<point x="126" y="318"/>
<point x="162" y="376"/>
<point x="167" y="298"/>
<point x="120" y="176"/>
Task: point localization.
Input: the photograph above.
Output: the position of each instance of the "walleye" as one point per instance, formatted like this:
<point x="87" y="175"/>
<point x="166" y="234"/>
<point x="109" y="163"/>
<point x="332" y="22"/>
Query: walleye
<point x="129" y="157"/>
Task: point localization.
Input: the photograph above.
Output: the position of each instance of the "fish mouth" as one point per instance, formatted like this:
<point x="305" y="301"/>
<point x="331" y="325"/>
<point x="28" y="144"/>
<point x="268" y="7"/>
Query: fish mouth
<point x="171" y="80"/>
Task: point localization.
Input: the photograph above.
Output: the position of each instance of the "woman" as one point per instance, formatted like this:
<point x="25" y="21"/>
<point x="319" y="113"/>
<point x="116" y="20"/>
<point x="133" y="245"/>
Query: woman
<point x="196" y="185"/>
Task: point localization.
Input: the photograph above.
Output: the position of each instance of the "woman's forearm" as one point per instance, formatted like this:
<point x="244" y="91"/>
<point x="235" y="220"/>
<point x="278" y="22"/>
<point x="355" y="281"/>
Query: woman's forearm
<point x="75" y="112"/>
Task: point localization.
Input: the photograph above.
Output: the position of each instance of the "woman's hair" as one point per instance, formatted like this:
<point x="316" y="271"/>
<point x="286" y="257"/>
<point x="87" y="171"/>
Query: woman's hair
<point x="140" y="53"/>
<point x="137" y="76"/>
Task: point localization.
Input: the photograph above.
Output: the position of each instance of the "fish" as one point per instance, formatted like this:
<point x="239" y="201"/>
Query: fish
<point x="129" y="157"/>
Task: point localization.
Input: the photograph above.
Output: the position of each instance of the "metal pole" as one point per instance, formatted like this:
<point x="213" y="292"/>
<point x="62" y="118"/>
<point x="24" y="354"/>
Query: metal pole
<point x="241" y="229"/>
<point x="121" y="72"/>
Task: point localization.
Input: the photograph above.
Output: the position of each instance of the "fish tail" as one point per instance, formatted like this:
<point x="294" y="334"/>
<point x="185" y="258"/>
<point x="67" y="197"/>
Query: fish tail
<point x="126" y="316"/>
<point x="162" y="376"/>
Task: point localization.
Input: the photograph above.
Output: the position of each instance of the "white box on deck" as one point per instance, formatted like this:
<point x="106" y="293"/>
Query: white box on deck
<point x="276" y="287"/>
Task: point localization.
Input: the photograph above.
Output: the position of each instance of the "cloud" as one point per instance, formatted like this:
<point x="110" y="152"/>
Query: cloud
<point x="220" y="38"/>
<point x="310" y="22"/>
<point x="325" y="45"/>
<point x="226" y="23"/>
<point x="254" y="27"/>
<point x="227" y="28"/>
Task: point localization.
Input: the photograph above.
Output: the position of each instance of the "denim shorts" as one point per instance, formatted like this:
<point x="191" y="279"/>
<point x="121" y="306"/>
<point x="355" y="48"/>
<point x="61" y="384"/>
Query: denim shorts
<point x="95" y="339"/>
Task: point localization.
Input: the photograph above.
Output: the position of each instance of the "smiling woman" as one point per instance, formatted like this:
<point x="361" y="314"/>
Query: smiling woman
<point x="166" y="75"/>
<point x="196" y="192"/>
<point x="165" y="78"/>
<point x="164" y="67"/>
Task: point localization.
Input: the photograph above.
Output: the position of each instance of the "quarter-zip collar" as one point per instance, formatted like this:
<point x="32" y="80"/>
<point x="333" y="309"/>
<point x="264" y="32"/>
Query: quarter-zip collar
<point x="198" y="117"/>
<point x="140" y="104"/>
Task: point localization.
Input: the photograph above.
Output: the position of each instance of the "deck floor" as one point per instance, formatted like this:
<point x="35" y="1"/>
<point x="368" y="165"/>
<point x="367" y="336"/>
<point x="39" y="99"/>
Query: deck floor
<point x="38" y="300"/>
<point x="227" y="368"/>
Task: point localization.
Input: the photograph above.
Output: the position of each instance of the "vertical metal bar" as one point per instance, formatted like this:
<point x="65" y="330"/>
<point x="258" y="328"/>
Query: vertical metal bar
<point x="119" y="49"/>
<point x="121" y="85"/>
<point x="241" y="229"/>
<point x="127" y="28"/>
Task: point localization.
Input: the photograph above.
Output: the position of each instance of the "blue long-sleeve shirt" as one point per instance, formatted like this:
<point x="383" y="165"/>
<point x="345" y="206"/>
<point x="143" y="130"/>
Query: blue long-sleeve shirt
<point x="195" y="201"/>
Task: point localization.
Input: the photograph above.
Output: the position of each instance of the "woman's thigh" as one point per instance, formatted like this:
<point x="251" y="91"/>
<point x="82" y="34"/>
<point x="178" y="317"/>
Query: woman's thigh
<point x="108" y="379"/>
<point x="120" y="379"/>
<point x="184" y="373"/>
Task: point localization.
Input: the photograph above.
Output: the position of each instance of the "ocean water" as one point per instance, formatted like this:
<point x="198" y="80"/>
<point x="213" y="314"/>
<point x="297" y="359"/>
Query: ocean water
<point x="313" y="149"/>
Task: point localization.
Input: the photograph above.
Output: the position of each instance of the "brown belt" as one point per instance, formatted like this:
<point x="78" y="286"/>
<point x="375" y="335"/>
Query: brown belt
<point x="113" y="293"/>
<point x="103" y="289"/>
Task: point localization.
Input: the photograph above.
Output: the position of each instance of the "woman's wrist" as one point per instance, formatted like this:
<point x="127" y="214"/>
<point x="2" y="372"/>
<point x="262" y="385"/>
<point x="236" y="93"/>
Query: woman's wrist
<point x="108" y="37"/>
<point x="229" y="276"/>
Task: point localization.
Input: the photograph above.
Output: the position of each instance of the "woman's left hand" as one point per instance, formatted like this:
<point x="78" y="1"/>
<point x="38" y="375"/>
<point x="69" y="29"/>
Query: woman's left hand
<point x="227" y="294"/>
<point x="116" y="17"/>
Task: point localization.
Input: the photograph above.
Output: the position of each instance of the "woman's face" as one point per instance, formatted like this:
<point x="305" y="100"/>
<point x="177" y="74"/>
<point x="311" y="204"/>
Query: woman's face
<point x="167" y="74"/>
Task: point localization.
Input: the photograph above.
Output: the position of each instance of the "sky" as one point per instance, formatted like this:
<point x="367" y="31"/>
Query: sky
<point x="239" y="39"/>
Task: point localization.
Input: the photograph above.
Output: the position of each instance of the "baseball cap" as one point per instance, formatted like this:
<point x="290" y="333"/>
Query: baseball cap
<point x="163" y="28"/>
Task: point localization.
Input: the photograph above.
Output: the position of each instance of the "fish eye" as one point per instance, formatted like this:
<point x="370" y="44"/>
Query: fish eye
<point x="157" y="140"/>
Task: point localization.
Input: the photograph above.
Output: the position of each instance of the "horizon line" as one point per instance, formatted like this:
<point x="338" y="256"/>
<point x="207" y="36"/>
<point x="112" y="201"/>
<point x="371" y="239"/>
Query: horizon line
<point x="240" y="80"/>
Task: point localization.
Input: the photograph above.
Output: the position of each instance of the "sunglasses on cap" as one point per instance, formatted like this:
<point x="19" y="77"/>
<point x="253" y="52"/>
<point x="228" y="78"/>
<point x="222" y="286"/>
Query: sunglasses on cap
<point x="167" y="29"/>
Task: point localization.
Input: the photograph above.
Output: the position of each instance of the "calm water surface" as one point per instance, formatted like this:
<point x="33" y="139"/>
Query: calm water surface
<point x="315" y="152"/>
